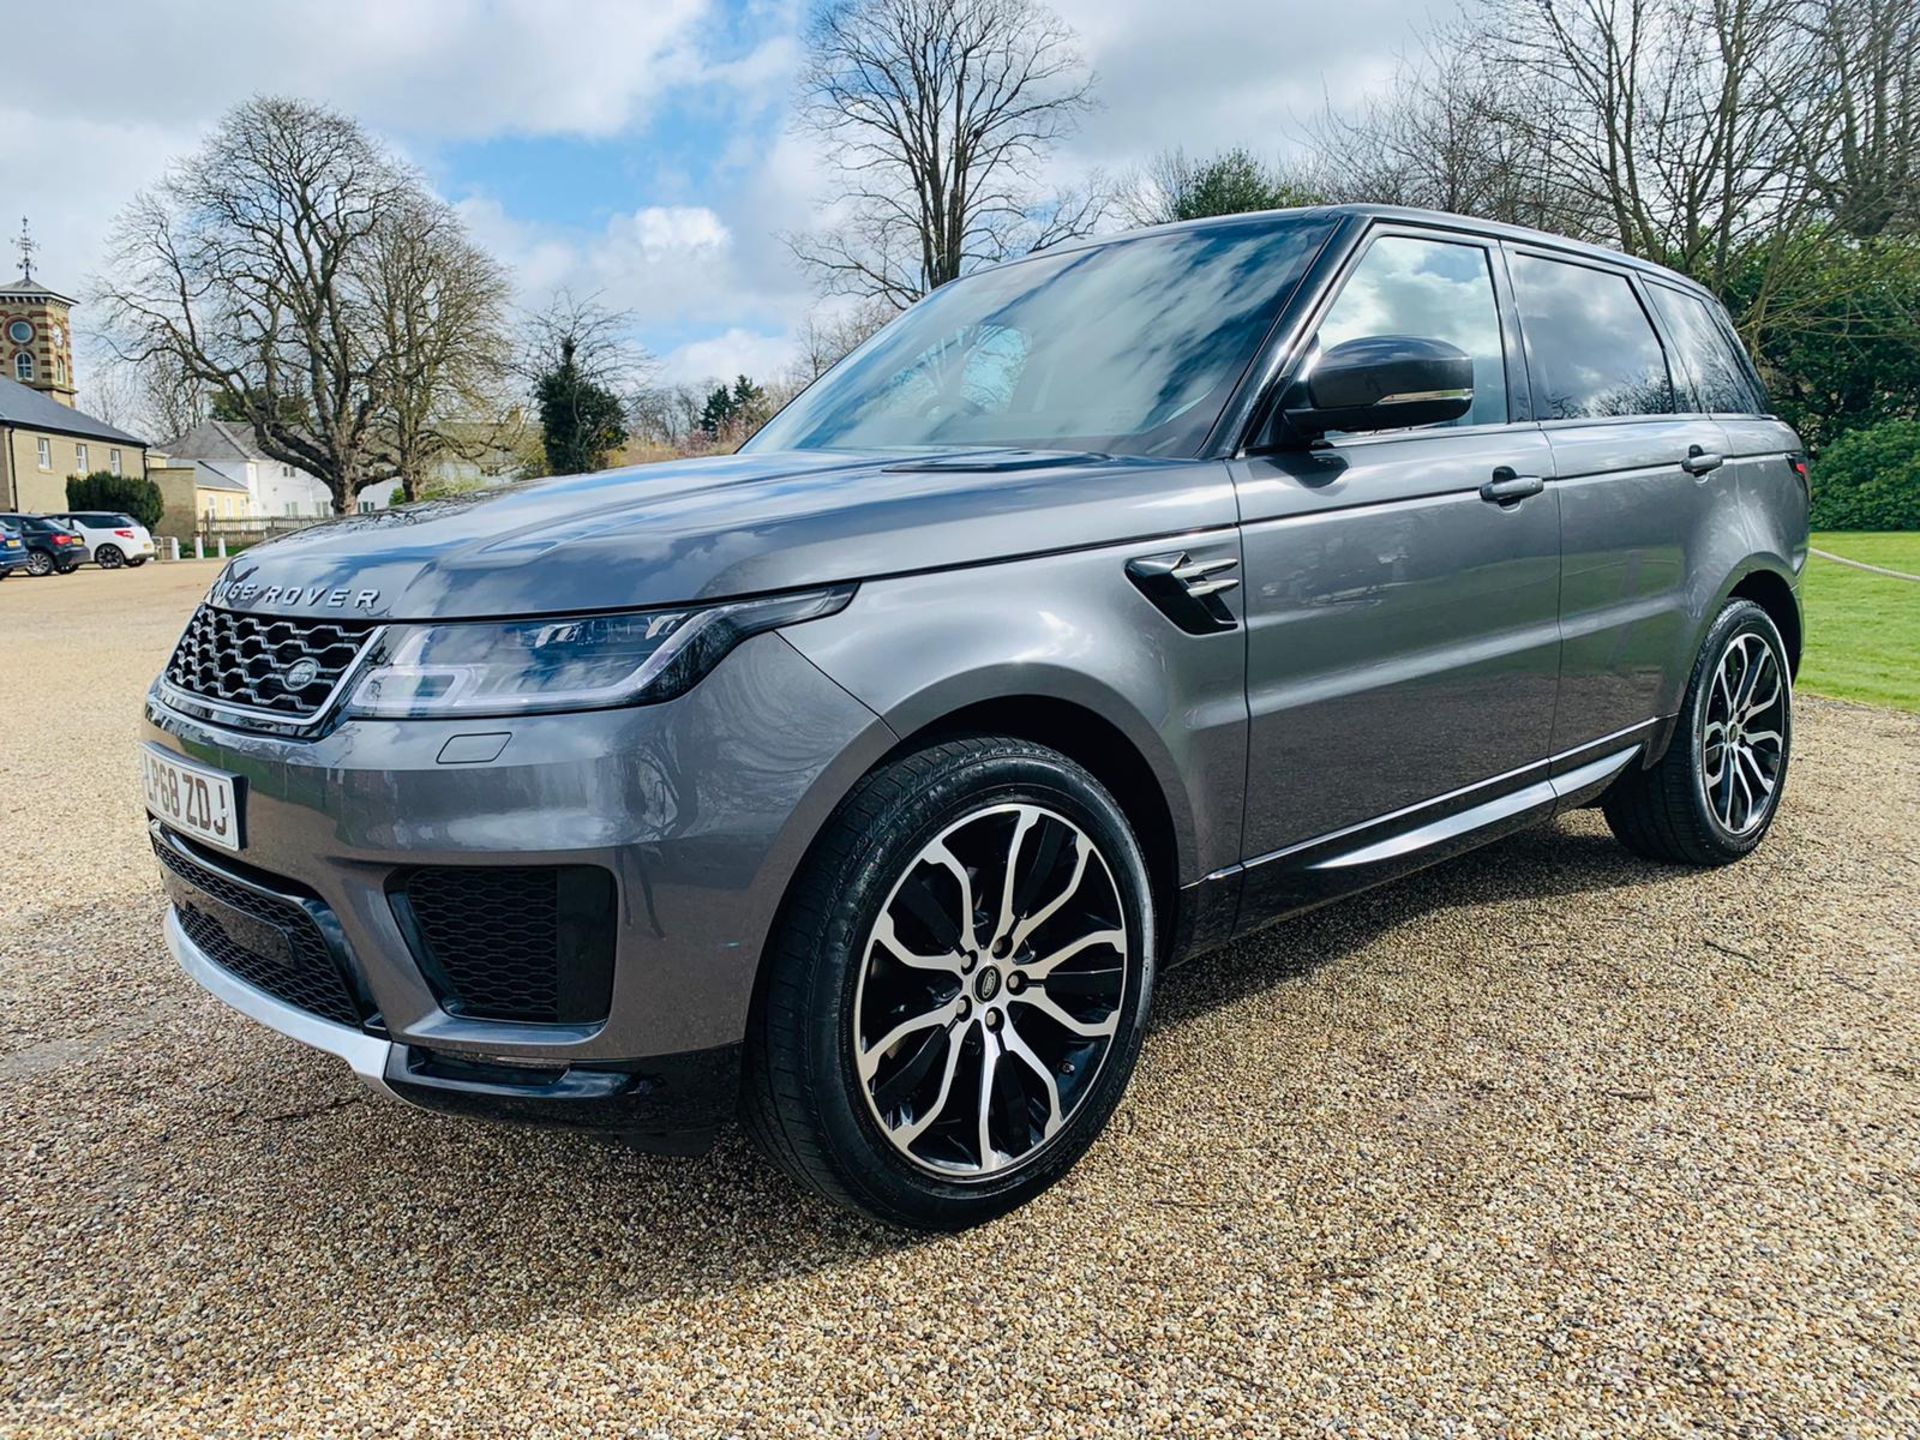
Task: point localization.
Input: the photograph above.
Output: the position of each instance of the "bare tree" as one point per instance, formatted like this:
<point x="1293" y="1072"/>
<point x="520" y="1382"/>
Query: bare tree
<point x="1455" y="132"/>
<point x="253" y="266"/>
<point x="937" y="115"/>
<point x="441" y="302"/>
<point x="1862" y="154"/>
<point x="175" y="400"/>
<point x="825" y="338"/>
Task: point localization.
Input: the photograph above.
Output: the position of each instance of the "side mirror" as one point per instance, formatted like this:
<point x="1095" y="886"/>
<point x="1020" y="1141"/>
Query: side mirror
<point x="1381" y="382"/>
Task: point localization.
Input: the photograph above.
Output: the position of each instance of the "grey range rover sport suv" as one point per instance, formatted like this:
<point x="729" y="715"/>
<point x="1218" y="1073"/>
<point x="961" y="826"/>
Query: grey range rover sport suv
<point x="1104" y="607"/>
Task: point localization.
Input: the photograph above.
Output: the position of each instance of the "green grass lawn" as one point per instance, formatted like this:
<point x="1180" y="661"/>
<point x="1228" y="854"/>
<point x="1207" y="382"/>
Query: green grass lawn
<point x="1863" y="630"/>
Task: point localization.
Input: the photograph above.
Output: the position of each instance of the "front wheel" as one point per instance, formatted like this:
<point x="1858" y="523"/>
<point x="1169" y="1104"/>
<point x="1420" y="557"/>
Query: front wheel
<point x="1712" y="797"/>
<point x="957" y="995"/>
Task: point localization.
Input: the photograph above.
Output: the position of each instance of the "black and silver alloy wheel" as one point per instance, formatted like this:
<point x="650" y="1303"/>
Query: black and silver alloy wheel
<point x="1743" y="733"/>
<point x="109" y="557"/>
<point x="992" y="987"/>
<point x="956" y="996"/>
<point x="1712" y="796"/>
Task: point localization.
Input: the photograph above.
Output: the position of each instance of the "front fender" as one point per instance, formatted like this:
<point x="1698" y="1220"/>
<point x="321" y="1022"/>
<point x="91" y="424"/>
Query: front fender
<point x="1069" y="629"/>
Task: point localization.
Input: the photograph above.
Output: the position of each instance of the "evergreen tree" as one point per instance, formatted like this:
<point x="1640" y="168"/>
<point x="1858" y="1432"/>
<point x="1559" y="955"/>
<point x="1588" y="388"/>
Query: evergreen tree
<point x="582" y="422"/>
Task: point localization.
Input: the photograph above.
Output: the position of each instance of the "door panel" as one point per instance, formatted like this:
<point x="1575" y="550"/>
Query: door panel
<point x="1636" y="531"/>
<point x="1402" y="632"/>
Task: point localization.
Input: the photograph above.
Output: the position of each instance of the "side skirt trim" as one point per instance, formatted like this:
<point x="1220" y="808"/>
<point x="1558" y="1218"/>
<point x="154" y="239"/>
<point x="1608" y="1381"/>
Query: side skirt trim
<point x="1301" y="877"/>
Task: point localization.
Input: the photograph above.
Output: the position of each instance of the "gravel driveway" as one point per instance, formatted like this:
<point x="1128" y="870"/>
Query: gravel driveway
<point x="1545" y="1141"/>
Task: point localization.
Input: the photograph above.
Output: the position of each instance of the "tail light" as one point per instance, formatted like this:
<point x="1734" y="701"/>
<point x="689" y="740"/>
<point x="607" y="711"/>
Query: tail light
<point x="124" y="534"/>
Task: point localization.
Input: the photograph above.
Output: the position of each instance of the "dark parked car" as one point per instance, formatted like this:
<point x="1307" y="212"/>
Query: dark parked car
<point x="13" y="550"/>
<point x="1104" y="607"/>
<point x="52" y="548"/>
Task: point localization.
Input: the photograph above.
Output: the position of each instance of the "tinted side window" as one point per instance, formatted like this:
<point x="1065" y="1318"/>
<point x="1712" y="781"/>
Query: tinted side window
<point x="1594" y="351"/>
<point x="1436" y="290"/>
<point x="1701" y="355"/>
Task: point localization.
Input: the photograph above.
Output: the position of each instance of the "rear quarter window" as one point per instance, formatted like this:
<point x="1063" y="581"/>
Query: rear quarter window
<point x="1703" y="356"/>
<point x="1592" y="351"/>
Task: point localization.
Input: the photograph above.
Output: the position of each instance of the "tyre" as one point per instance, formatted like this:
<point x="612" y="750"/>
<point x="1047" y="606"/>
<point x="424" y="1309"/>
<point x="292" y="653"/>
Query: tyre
<point x="39" y="563"/>
<point x="1712" y="797"/>
<point x="136" y="562"/>
<point x="956" y="994"/>
<point x="109" y="557"/>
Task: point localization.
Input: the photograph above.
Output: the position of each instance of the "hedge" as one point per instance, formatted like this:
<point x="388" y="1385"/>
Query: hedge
<point x="128" y="494"/>
<point x="1870" y="480"/>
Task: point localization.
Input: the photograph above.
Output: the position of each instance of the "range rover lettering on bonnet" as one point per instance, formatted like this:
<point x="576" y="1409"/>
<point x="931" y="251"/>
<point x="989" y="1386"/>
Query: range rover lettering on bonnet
<point x="306" y="597"/>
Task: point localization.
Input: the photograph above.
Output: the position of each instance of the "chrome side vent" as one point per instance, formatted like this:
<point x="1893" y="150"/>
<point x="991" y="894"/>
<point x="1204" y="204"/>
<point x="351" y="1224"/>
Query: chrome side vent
<point x="1187" y="591"/>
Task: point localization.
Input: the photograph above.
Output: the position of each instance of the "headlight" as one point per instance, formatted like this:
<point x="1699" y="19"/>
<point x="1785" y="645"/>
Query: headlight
<point x="582" y="662"/>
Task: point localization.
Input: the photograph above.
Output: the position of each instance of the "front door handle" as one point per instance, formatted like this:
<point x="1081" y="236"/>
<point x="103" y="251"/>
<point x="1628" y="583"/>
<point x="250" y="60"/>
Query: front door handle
<point x="1701" y="461"/>
<point x="1508" y="488"/>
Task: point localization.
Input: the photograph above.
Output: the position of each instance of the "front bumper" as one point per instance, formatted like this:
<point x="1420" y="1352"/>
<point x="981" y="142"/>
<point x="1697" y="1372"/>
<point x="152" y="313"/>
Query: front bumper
<point x="700" y="809"/>
<point x="674" y="1104"/>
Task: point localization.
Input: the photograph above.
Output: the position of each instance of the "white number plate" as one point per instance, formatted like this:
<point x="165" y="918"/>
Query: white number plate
<point x="198" y="802"/>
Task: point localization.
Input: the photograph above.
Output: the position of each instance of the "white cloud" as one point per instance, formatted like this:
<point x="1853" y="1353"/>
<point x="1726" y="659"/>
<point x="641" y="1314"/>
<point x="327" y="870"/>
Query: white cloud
<point x="737" y="352"/>
<point x="442" y="68"/>
<point x="671" y="266"/>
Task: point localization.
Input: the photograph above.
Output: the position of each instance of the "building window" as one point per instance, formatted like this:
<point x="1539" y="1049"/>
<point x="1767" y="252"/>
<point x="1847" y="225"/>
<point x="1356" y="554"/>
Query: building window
<point x="46" y="453"/>
<point x="113" y="461"/>
<point x="20" y="332"/>
<point x="366" y="507"/>
<point x="59" y="370"/>
<point x="23" y="366"/>
<point x="286" y="472"/>
<point x="293" y="508"/>
<point x="80" y="458"/>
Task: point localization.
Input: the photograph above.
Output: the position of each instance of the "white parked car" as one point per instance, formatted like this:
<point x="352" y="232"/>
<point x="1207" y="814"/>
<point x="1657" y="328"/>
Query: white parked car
<point x="112" y="539"/>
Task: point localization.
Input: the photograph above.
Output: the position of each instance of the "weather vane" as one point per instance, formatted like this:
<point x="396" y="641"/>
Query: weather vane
<point x="27" y="247"/>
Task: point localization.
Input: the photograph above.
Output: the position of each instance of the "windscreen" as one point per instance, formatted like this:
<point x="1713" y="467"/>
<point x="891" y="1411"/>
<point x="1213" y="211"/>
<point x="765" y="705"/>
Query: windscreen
<point x="1128" y="348"/>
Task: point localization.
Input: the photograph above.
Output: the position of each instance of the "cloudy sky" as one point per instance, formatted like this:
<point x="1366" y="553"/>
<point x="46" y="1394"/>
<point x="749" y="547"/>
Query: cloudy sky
<point x="638" y="149"/>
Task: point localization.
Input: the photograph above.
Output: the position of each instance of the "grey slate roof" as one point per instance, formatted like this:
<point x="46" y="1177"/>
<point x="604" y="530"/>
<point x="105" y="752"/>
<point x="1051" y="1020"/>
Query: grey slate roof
<point x="29" y="409"/>
<point x="212" y="477"/>
<point x="214" y="440"/>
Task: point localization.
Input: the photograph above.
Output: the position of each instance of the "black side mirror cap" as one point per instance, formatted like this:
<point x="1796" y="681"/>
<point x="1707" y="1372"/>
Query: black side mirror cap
<point x="1378" y="382"/>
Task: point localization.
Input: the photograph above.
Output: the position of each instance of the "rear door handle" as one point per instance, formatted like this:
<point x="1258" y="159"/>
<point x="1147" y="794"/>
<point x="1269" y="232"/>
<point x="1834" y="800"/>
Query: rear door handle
<point x="1701" y="461"/>
<point x="1507" y="488"/>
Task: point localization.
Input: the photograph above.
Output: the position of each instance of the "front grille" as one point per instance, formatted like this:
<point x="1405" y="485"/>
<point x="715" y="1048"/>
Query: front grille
<point x="270" y="943"/>
<point x="247" y="660"/>
<point x="526" y="943"/>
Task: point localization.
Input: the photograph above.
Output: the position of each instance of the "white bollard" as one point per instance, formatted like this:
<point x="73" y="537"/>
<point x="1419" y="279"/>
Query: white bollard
<point x="222" y="543"/>
<point x="173" y="547"/>
<point x="199" y="548"/>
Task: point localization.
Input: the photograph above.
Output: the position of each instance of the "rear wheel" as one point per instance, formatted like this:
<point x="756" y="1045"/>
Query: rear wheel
<point x="956" y="999"/>
<point x="109" y="557"/>
<point x="39" y="563"/>
<point x="136" y="562"/>
<point x="1712" y="797"/>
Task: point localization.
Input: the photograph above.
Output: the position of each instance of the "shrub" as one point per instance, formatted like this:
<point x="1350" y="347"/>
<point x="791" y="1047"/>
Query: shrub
<point x="1870" y="480"/>
<point x="129" y="494"/>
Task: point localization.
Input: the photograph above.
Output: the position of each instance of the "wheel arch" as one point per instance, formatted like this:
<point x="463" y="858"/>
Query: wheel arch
<point x="1775" y="594"/>
<point x="1099" y="746"/>
<point x="1768" y="583"/>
